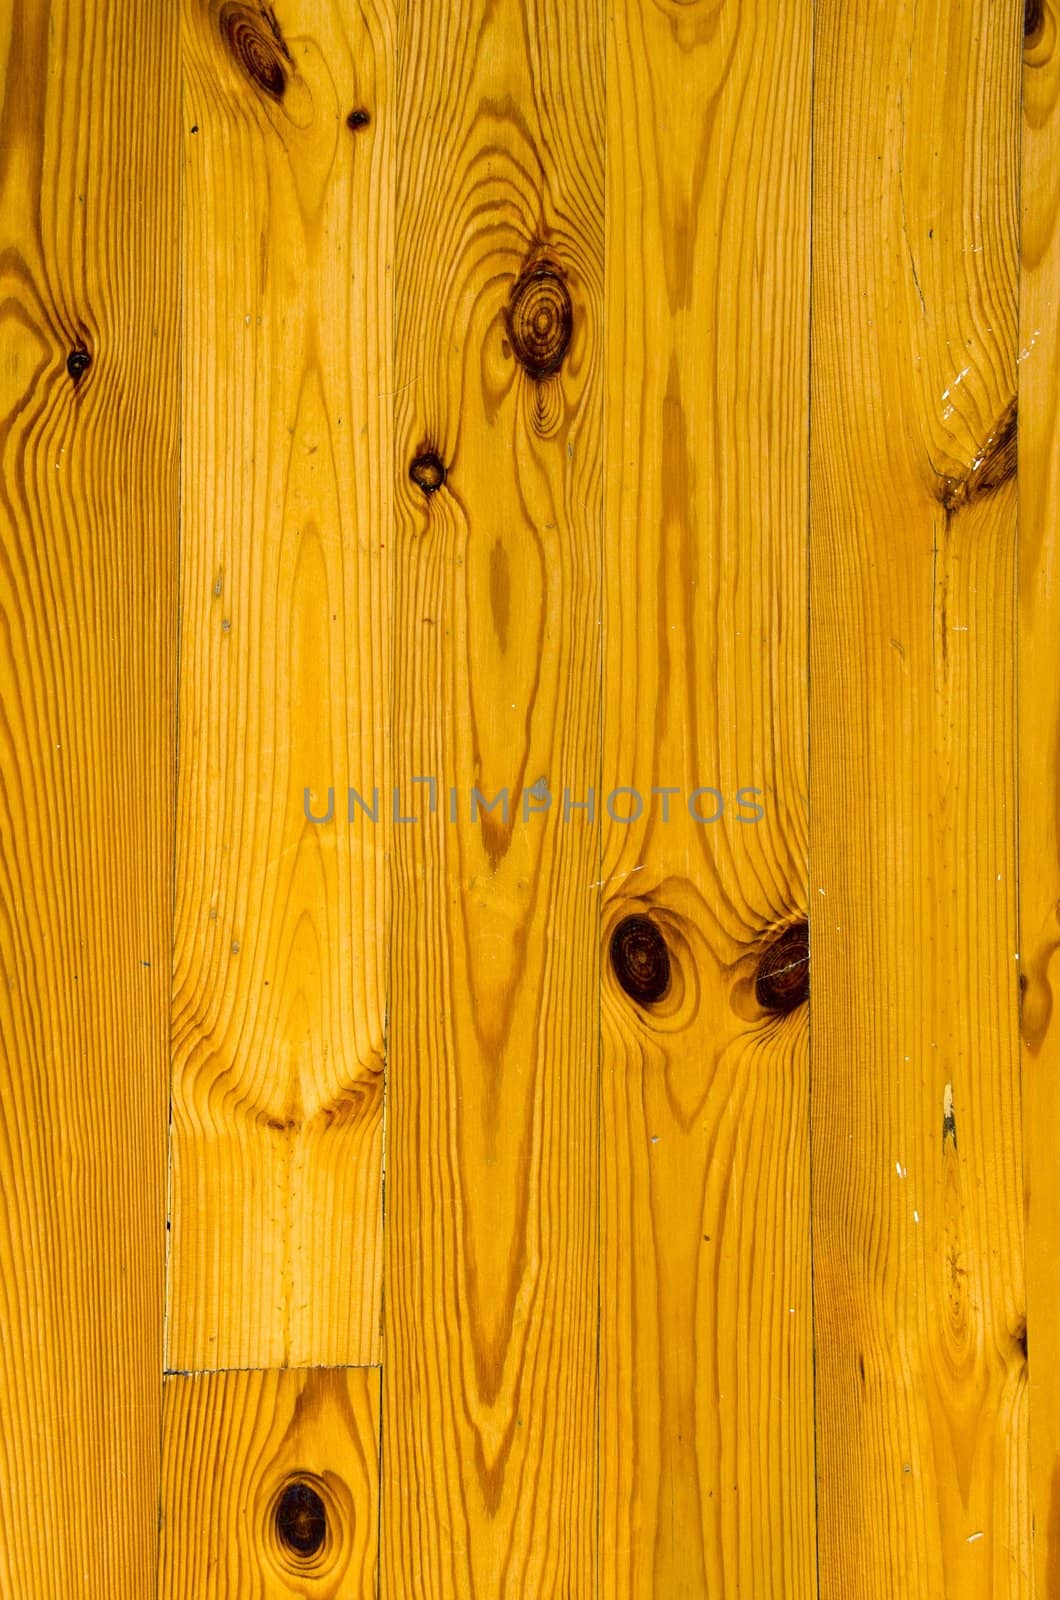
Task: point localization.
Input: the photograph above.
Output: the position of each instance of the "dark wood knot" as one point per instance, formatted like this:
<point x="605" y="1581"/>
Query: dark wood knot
<point x="357" y="119"/>
<point x="254" y="38"/>
<point x="301" y="1520"/>
<point x="539" y="318"/>
<point x="1033" y="17"/>
<point x="78" y="363"/>
<point x="641" y="960"/>
<point x="783" y="978"/>
<point x="428" y="472"/>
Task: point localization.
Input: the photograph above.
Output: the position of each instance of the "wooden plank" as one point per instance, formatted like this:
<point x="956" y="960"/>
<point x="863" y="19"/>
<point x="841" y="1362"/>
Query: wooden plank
<point x="88" y="517"/>
<point x="280" y="923"/>
<point x="270" y="1485"/>
<point x="491" y="1299"/>
<point x="706" y="1356"/>
<point x="1039" y="724"/>
<point x="917" y="1184"/>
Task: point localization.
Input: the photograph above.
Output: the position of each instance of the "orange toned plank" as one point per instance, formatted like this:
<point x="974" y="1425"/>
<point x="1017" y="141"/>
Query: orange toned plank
<point x="1039" y="723"/>
<point x="280" y="922"/>
<point x="917" y="1184"/>
<point x="706" y="1359"/>
<point x="88" y="517"/>
<point x="271" y="1485"/>
<point x="491" y="1293"/>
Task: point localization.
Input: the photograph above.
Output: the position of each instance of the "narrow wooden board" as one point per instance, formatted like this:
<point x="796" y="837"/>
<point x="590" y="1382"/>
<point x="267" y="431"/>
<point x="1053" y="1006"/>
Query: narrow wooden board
<point x="489" y="1415"/>
<point x="270" y="1485"/>
<point x="280" y="932"/>
<point x="1039" y="725"/>
<point x="706" y="1420"/>
<point x="917" y="1182"/>
<point x="88" y="521"/>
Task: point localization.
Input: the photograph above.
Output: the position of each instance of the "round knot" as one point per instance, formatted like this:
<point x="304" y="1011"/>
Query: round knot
<point x="259" y="52"/>
<point x="641" y="960"/>
<point x="540" y="317"/>
<point x="428" y="472"/>
<point x="783" y="978"/>
<point x="78" y="363"/>
<point x="301" y="1521"/>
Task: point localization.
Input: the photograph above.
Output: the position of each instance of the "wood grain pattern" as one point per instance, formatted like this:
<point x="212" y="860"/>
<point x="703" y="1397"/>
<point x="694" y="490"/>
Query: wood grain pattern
<point x="491" y="1293"/>
<point x="280" y="925"/>
<point x="706" y="1430"/>
<point x="917" y="1198"/>
<point x="1039" y="728"/>
<point x="89" y="350"/>
<point x="247" y="1456"/>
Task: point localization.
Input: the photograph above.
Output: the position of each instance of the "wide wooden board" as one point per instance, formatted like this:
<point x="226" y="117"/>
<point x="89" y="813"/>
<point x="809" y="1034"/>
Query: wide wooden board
<point x="280" y="922"/>
<point x="89" y="373"/>
<point x="917" y="1181"/>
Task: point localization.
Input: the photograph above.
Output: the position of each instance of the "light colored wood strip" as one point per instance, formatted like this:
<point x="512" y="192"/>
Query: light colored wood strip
<point x="917" y="1183"/>
<point x="706" y="1362"/>
<point x="1039" y="724"/>
<point x="281" y="923"/>
<point x="491" y="1286"/>
<point x="89" y="363"/>
<point x="271" y="1485"/>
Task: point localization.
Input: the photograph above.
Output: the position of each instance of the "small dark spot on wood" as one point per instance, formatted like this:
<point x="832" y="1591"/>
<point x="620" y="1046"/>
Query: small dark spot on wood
<point x="993" y="465"/>
<point x="357" y="120"/>
<point x="540" y="318"/>
<point x="861" y="1366"/>
<point x="301" y="1520"/>
<point x="78" y="363"/>
<point x="783" y="978"/>
<point x="641" y="960"/>
<point x="253" y="36"/>
<point x="949" y="1122"/>
<point x="428" y="472"/>
<point x="1020" y="1336"/>
<point x="1033" y="17"/>
<point x="195" y="127"/>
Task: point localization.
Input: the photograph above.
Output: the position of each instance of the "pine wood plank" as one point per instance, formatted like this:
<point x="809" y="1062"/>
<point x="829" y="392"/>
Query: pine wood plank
<point x="918" y="1210"/>
<point x="89" y="352"/>
<point x="270" y="1485"/>
<point x="280" y="924"/>
<point x="489" y="1394"/>
<point x="706" y="1358"/>
<point x="1039" y="724"/>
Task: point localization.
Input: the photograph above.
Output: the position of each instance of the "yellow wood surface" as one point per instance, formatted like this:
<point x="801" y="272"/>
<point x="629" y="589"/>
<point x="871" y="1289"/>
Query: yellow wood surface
<point x="917" y="1202"/>
<point x="546" y="397"/>
<point x="279" y="931"/>
<point x="235" y="1444"/>
<point x="489" y="1415"/>
<point x="1039" y="725"/>
<point x="88" y="522"/>
<point x="706" y="1426"/>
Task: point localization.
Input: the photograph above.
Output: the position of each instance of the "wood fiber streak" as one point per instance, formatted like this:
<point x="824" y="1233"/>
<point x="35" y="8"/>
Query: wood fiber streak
<point x="489" y="1415"/>
<point x="280" y="934"/>
<point x="88" y="517"/>
<point x="1039" y="724"/>
<point x="706" y="1427"/>
<point x="917" y="1183"/>
<point x="246" y="1454"/>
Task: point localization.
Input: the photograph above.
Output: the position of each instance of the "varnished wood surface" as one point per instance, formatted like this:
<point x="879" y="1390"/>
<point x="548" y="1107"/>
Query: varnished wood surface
<point x="552" y="396"/>
<point x="706" y="1435"/>
<point x="270" y="1485"/>
<point x="1039" y="750"/>
<point x="279" y="924"/>
<point x="917" y="1183"/>
<point x="489" y="1414"/>
<point x="89" y="367"/>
